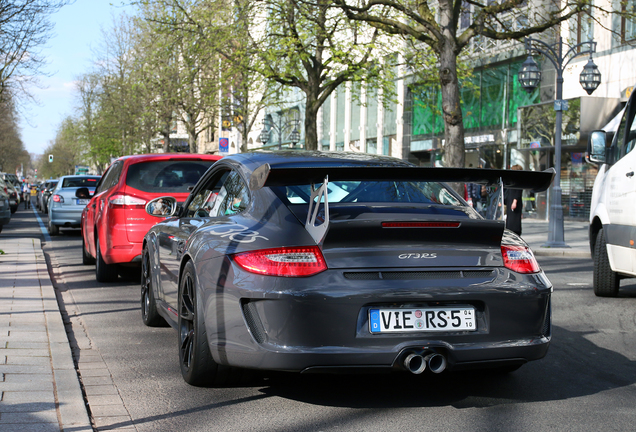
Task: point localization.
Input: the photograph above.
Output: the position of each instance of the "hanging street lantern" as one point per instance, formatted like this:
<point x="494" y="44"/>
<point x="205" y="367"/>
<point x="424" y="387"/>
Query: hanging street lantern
<point x="529" y="75"/>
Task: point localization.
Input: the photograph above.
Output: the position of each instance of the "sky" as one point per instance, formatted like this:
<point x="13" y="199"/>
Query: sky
<point x="69" y="53"/>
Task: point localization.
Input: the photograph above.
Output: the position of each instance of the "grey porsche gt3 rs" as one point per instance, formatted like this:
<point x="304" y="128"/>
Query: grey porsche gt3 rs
<point x="323" y="262"/>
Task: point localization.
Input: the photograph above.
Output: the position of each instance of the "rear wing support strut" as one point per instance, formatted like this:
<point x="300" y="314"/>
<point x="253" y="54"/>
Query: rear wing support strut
<point x="318" y="232"/>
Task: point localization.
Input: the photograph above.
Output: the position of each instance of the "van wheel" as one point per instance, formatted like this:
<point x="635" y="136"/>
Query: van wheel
<point x="606" y="281"/>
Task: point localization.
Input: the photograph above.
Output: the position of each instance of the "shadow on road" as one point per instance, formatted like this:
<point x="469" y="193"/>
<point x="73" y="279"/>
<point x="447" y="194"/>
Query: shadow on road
<point x="570" y="370"/>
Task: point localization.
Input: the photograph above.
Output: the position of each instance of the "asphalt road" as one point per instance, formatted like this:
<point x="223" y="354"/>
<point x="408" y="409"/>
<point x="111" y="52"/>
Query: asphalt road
<point x="585" y="383"/>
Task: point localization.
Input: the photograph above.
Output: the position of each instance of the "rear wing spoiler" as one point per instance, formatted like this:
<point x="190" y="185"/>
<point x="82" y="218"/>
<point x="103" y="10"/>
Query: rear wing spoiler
<point x="318" y="178"/>
<point x="536" y="181"/>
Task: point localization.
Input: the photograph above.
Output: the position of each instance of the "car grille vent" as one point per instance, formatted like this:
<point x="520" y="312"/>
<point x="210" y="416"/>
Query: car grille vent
<point x="545" y="331"/>
<point x="254" y="322"/>
<point x="410" y="275"/>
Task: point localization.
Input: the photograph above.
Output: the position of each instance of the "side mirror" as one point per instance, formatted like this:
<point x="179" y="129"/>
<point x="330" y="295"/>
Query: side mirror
<point x="162" y="207"/>
<point x="597" y="146"/>
<point x="82" y="193"/>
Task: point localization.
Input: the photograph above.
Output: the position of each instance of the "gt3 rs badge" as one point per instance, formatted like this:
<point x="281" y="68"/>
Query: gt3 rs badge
<point x="417" y="255"/>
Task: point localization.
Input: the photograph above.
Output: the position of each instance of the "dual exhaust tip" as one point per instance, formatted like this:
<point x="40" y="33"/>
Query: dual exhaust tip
<point x="417" y="363"/>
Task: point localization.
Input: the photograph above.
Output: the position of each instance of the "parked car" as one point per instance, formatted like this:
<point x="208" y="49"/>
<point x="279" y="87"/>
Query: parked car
<point x="612" y="229"/>
<point x="5" y="207"/>
<point x="45" y="193"/>
<point x="326" y="262"/>
<point x="14" y="196"/>
<point x="65" y="209"/>
<point x="114" y="222"/>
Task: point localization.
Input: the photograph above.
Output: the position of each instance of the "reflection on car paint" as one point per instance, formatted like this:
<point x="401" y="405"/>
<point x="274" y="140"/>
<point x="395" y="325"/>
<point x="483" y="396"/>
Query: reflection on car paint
<point x="234" y="233"/>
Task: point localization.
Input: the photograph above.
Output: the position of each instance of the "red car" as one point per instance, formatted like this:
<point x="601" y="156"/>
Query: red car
<point x="115" y="220"/>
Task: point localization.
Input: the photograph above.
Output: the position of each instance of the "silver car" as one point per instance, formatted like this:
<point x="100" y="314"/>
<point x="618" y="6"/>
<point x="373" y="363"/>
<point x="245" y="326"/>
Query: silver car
<point x="65" y="209"/>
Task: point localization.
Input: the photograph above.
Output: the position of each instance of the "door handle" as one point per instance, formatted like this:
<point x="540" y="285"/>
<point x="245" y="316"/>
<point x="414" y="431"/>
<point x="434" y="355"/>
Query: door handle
<point x="630" y="174"/>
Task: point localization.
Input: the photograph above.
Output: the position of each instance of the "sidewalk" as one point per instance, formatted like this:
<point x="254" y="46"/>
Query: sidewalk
<point x="535" y="233"/>
<point x="40" y="388"/>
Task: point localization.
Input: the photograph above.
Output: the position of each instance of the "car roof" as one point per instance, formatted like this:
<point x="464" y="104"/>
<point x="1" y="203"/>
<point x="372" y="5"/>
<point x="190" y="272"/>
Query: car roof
<point x="305" y="159"/>
<point x="132" y="159"/>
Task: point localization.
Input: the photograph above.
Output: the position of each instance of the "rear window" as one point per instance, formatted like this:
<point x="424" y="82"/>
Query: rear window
<point x="166" y="176"/>
<point x="373" y="191"/>
<point x="80" y="182"/>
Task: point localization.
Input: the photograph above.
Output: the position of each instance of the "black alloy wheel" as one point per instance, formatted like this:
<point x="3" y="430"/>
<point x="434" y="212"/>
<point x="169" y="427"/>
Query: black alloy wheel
<point x="149" y="313"/>
<point x="606" y="282"/>
<point x="197" y="366"/>
<point x="103" y="272"/>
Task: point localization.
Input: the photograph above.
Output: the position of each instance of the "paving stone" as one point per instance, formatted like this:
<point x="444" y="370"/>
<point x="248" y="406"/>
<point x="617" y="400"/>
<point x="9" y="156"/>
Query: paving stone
<point x="26" y="352"/>
<point x="48" y="416"/>
<point x="13" y="344"/>
<point x="15" y="378"/>
<point x="33" y="427"/>
<point x="25" y="369"/>
<point x="22" y="407"/>
<point x="96" y="380"/>
<point x="96" y="389"/>
<point x="94" y="372"/>
<point x="23" y="397"/>
<point x="104" y="400"/>
<point x="108" y="410"/>
<point x="22" y="360"/>
<point x="24" y="386"/>
<point x="110" y="422"/>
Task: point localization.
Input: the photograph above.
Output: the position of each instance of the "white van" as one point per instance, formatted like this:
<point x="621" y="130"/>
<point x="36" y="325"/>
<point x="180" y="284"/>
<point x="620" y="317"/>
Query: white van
<point x="613" y="207"/>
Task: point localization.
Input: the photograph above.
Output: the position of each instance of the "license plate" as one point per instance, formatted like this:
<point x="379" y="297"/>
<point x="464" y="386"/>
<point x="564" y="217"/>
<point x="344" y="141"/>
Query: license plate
<point x="82" y="201"/>
<point x="445" y="319"/>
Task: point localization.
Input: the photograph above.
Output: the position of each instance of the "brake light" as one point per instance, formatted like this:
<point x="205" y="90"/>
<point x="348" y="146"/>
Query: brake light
<point x="58" y="198"/>
<point x="126" y="201"/>
<point x="519" y="259"/>
<point x="286" y="261"/>
<point x="420" y="224"/>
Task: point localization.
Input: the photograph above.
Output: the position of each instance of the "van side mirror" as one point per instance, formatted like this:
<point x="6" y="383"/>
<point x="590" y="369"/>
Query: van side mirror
<point x="597" y="147"/>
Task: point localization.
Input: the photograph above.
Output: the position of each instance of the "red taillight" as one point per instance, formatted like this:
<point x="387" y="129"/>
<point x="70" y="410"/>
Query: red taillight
<point x="58" y="198"/>
<point x="420" y="224"/>
<point x="286" y="261"/>
<point x="126" y="201"/>
<point x="519" y="259"/>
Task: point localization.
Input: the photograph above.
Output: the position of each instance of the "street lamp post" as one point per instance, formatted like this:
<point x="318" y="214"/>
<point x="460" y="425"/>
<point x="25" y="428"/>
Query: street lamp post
<point x="529" y="78"/>
<point x="268" y="125"/>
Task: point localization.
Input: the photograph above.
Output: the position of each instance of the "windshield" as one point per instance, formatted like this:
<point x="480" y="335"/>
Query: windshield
<point x="373" y="191"/>
<point x="89" y="182"/>
<point x="166" y="176"/>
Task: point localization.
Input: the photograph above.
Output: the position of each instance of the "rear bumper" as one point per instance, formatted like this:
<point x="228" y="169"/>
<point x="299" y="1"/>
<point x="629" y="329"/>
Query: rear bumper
<point x="123" y="253"/>
<point x="322" y="322"/>
<point x="65" y="217"/>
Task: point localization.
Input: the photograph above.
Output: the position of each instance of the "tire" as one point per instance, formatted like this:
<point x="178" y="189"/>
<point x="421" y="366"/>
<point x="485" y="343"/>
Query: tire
<point x="103" y="272"/>
<point x="197" y="366"/>
<point x="606" y="281"/>
<point x="149" y="314"/>
<point x="86" y="258"/>
<point x="53" y="229"/>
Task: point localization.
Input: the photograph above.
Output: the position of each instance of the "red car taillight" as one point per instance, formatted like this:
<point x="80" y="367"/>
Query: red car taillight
<point x="126" y="201"/>
<point x="519" y="259"/>
<point x="286" y="261"/>
<point x="58" y="198"/>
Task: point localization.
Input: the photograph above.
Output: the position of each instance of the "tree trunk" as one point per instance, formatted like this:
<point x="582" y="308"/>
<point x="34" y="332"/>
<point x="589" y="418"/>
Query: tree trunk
<point x="454" y="153"/>
<point x="311" y="123"/>
<point x="165" y="133"/>
<point x="192" y="139"/>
